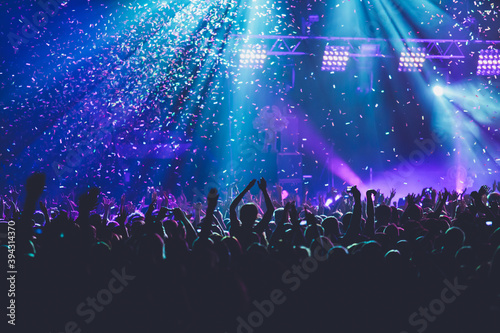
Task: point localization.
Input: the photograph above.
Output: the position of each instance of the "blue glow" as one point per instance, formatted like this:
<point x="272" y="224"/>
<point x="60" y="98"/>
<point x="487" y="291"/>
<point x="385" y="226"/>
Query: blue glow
<point x="438" y="90"/>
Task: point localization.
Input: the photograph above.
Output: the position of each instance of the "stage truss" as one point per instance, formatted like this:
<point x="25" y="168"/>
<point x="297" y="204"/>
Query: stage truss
<point x="443" y="49"/>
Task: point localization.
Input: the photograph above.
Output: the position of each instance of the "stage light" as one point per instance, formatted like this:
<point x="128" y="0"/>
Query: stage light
<point x="335" y="58"/>
<point x="438" y="90"/>
<point x="252" y="56"/>
<point x="488" y="63"/>
<point x="412" y="60"/>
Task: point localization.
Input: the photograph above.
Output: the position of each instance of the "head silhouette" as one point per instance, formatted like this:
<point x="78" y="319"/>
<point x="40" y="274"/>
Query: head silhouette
<point x="383" y="214"/>
<point x="248" y="214"/>
<point x="453" y="240"/>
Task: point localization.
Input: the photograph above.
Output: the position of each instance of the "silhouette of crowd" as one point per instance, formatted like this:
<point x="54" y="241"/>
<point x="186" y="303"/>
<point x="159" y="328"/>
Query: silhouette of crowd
<point x="344" y="261"/>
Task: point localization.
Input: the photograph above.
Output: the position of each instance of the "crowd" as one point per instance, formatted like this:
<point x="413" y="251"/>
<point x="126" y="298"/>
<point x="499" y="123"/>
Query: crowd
<point x="342" y="262"/>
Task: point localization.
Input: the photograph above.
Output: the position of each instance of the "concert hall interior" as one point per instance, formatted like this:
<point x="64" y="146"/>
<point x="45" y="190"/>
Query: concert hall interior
<point x="157" y="110"/>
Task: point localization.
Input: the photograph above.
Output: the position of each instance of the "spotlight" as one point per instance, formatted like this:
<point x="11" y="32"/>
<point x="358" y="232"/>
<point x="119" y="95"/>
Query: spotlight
<point x="488" y="61"/>
<point x="438" y="90"/>
<point x="252" y="56"/>
<point x="339" y="55"/>
<point x="412" y="60"/>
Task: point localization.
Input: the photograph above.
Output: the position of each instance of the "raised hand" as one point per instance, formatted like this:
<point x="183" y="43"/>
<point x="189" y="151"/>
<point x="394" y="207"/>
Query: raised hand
<point x="162" y="213"/>
<point x="43" y="208"/>
<point x="251" y="184"/>
<point x="410" y="199"/>
<point x="286" y="212"/>
<point x="433" y="194"/>
<point x="122" y="215"/>
<point x="355" y="192"/>
<point x="279" y="188"/>
<point x="67" y="199"/>
<point x="164" y="195"/>
<point x="370" y="212"/>
<point x="159" y="201"/>
<point x="321" y="200"/>
<point x="418" y="198"/>
<point x="142" y="203"/>
<point x="14" y="193"/>
<point x="372" y="194"/>
<point x="148" y="217"/>
<point x="108" y="202"/>
<point x="454" y="195"/>
<point x="310" y="218"/>
<point x="262" y="184"/>
<point x="154" y="197"/>
<point x="212" y="198"/>
<point x="446" y="194"/>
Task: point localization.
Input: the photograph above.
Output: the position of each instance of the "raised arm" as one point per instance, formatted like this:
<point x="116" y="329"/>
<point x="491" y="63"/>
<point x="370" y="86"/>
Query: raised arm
<point x="355" y="225"/>
<point x="370" y="213"/>
<point x="197" y="213"/>
<point x="206" y="224"/>
<point x="107" y="204"/>
<point x="279" y="193"/>
<point x="2" y="208"/>
<point x="409" y="202"/>
<point x="191" y="233"/>
<point x="321" y="204"/>
<point x="388" y="201"/>
<point x="148" y="218"/>
<point x="122" y="216"/>
<point x="235" y="203"/>
<point x="268" y="215"/>
<point x="440" y="205"/>
<point x="43" y="208"/>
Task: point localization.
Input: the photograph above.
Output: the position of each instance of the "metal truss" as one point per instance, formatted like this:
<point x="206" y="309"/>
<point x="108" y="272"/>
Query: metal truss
<point x="436" y="48"/>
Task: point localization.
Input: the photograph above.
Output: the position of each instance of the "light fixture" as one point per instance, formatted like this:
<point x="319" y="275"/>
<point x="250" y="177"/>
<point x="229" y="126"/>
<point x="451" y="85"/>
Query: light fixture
<point x="412" y="60"/>
<point x="489" y="62"/>
<point x="335" y="58"/>
<point x="252" y="56"/>
<point x="438" y="90"/>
